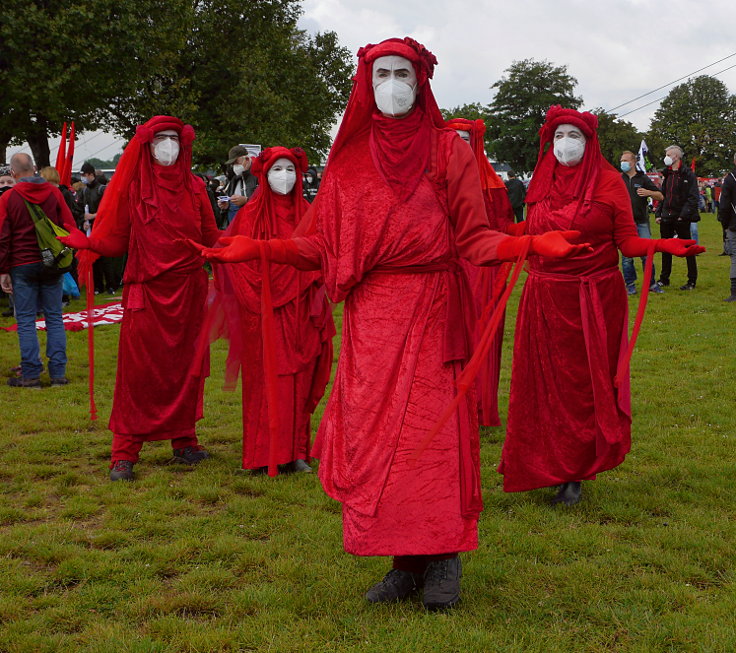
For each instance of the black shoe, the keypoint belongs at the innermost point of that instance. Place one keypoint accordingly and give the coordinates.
(298, 465)
(24, 382)
(442, 584)
(122, 470)
(569, 493)
(688, 286)
(663, 282)
(395, 586)
(8, 313)
(724, 253)
(60, 380)
(732, 298)
(189, 455)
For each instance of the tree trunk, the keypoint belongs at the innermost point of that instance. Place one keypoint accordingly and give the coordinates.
(37, 138)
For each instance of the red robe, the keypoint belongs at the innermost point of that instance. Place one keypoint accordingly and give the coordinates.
(303, 336)
(567, 421)
(157, 395)
(395, 264)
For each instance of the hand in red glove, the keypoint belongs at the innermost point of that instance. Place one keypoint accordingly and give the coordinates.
(236, 249)
(678, 247)
(555, 244)
(76, 240)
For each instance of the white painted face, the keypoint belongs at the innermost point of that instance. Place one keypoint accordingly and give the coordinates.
(465, 135)
(569, 144)
(282, 176)
(394, 85)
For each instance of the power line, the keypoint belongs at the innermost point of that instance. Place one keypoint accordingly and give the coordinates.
(621, 115)
(670, 83)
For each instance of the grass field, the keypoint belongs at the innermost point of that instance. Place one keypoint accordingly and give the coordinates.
(213, 560)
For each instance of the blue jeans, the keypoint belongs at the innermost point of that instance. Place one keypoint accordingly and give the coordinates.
(694, 231)
(627, 264)
(33, 292)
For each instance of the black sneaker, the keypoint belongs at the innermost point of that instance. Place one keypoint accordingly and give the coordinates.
(688, 286)
(442, 584)
(190, 455)
(569, 493)
(60, 380)
(24, 382)
(122, 470)
(731, 298)
(663, 282)
(395, 586)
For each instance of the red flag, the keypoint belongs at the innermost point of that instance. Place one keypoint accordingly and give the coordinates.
(61, 154)
(66, 179)
(692, 165)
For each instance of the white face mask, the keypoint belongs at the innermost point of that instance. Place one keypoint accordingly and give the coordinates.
(282, 176)
(569, 145)
(394, 85)
(166, 151)
(668, 160)
(238, 169)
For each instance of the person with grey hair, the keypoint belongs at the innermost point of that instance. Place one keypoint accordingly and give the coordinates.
(727, 218)
(676, 211)
(23, 273)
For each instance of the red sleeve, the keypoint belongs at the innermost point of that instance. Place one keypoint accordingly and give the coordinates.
(210, 232)
(308, 254)
(115, 243)
(474, 238)
(614, 191)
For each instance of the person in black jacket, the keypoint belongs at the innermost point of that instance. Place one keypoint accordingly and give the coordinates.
(727, 218)
(517, 193)
(676, 211)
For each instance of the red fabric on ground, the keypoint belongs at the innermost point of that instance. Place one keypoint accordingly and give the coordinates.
(567, 421)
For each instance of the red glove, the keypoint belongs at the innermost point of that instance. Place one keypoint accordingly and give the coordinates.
(76, 240)
(678, 247)
(635, 246)
(553, 244)
(236, 249)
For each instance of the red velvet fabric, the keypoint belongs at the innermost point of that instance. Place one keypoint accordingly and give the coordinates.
(567, 419)
(302, 325)
(394, 263)
(158, 395)
(487, 283)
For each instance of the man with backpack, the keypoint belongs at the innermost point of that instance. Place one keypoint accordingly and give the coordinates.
(35, 285)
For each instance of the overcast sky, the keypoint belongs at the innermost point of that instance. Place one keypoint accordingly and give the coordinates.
(616, 49)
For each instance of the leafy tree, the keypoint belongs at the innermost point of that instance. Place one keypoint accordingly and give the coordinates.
(616, 135)
(699, 116)
(517, 111)
(238, 70)
(67, 61)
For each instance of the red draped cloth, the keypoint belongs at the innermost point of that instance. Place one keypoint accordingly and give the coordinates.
(393, 259)
(302, 333)
(567, 420)
(165, 288)
(485, 281)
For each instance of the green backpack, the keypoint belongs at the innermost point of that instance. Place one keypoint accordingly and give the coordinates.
(56, 256)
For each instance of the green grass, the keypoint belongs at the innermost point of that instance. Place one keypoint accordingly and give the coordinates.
(214, 560)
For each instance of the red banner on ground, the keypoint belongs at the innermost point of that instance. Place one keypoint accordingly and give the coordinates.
(104, 314)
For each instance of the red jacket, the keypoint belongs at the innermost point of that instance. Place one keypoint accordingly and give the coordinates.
(18, 243)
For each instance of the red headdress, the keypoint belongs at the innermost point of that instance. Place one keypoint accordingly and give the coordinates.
(136, 170)
(400, 147)
(586, 173)
(477, 129)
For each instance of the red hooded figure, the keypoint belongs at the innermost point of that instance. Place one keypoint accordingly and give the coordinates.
(484, 280)
(399, 203)
(569, 411)
(152, 203)
(302, 327)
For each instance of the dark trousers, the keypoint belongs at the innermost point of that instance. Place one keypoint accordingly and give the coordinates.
(519, 213)
(682, 230)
